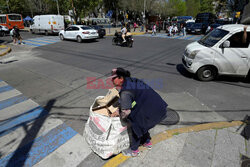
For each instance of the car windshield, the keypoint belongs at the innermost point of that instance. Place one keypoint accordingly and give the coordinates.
(213, 37)
(86, 28)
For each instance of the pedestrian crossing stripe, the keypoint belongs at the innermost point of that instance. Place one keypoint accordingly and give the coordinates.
(39, 148)
(20, 143)
(36, 42)
(39, 41)
(187, 37)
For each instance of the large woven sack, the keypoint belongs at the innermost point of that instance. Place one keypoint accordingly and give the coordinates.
(105, 135)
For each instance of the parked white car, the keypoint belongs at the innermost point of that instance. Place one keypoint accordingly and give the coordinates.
(220, 52)
(79, 33)
(4, 30)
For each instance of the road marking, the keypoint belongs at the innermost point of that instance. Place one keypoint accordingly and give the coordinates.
(2, 83)
(120, 158)
(32, 44)
(9, 94)
(11, 101)
(37, 41)
(39, 148)
(24, 118)
(187, 37)
(5, 89)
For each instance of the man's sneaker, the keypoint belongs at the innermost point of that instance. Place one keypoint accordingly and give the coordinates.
(148, 145)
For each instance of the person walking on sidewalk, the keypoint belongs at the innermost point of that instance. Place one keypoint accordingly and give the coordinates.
(135, 26)
(16, 36)
(154, 30)
(148, 111)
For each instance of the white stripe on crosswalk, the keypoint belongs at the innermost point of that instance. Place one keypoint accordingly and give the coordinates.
(69, 154)
(9, 94)
(3, 84)
(17, 109)
(9, 143)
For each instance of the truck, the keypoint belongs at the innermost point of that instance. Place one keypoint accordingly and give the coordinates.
(48, 24)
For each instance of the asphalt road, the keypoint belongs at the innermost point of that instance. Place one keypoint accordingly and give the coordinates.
(149, 59)
(57, 73)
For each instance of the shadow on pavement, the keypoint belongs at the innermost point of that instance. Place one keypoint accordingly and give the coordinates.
(20, 155)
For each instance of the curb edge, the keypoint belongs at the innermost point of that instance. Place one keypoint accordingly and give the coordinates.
(120, 158)
(5, 52)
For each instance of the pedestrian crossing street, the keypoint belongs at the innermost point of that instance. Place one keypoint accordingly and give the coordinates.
(41, 41)
(187, 37)
(31, 136)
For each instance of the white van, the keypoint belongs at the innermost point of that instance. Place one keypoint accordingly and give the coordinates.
(47, 24)
(221, 52)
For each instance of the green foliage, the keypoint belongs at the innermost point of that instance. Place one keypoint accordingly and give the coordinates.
(193, 7)
(207, 6)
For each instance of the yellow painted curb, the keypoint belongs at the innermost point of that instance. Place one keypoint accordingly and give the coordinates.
(120, 158)
(5, 52)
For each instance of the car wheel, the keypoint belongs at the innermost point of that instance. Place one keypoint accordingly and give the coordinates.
(79, 39)
(31, 31)
(61, 37)
(206, 73)
(1, 34)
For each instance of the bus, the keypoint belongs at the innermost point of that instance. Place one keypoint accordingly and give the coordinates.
(11, 20)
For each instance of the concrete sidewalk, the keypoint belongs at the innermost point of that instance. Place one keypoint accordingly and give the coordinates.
(207, 145)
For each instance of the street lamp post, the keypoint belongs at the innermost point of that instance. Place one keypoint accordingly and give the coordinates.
(144, 14)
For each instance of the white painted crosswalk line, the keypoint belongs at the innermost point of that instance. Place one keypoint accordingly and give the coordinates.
(17, 109)
(29, 134)
(9, 143)
(9, 94)
(41, 41)
(3, 84)
(68, 155)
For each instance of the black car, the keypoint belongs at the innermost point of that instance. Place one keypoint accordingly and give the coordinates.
(100, 29)
(198, 28)
(188, 26)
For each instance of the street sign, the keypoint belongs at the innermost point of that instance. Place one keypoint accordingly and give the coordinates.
(110, 13)
(71, 12)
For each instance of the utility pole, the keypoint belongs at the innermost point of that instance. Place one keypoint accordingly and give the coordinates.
(57, 7)
(144, 14)
(74, 11)
(7, 2)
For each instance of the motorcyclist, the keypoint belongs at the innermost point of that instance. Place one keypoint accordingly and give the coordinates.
(124, 32)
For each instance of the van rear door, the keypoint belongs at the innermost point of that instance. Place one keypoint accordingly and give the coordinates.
(58, 23)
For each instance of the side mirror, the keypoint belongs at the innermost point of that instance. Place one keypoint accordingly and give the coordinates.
(226, 44)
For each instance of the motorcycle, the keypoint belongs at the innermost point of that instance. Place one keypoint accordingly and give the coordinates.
(117, 40)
